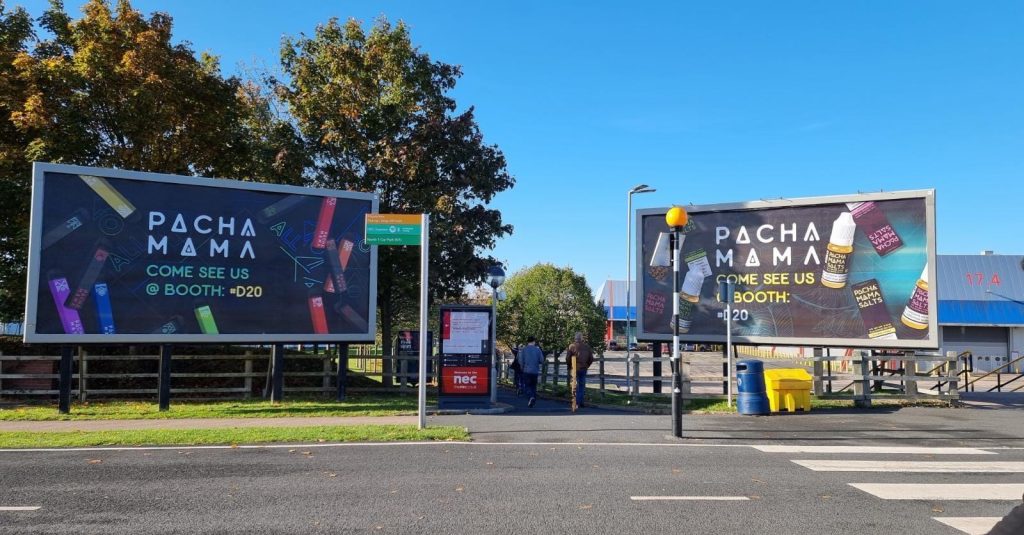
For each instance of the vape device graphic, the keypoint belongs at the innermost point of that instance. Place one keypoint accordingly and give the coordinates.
(78, 218)
(323, 222)
(61, 290)
(99, 257)
(118, 202)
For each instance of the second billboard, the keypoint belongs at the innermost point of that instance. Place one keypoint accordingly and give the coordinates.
(830, 271)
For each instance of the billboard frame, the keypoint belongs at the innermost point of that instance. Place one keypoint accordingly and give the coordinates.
(928, 195)
(39, 169)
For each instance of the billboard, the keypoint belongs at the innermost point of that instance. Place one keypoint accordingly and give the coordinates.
(850, 271)
(121, 256)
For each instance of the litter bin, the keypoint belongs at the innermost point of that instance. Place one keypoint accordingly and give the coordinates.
(751, 397)
(789, 389)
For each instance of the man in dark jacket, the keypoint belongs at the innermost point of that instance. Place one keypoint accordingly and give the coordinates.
(584, 358)
(530, 360)
(1011, 524)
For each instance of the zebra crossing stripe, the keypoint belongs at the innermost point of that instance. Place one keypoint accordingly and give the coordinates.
(20, 508)
(971, 525)
(913, 466)
(945, 491)
(904, 450)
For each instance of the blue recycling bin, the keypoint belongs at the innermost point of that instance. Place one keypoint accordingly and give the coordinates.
(751, 397)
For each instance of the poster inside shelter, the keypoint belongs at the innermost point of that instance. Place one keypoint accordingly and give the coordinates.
(844, 270)
(124, 256)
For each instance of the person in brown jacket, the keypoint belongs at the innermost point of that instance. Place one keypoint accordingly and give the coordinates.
(584, 358)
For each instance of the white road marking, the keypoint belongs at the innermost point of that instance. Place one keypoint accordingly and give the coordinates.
(907, 450)
(949, 491)
(971, 525)
(690, 498)
(913, 466)
(20, 508)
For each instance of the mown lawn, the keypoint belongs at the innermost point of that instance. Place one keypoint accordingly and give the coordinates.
(355, 405)
(230, 436)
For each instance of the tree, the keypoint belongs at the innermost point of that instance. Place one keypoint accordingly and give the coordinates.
(112, 90)
(375, 115)
(15, 37)
(551, 304)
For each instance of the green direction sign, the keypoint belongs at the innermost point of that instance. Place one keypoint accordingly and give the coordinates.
(393, 229)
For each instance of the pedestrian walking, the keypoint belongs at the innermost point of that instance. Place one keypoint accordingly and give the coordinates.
(530, 359)
(517, 371)
(579, 356)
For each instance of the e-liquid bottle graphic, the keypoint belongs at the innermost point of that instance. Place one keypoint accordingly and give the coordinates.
(689, 296)
(915, 315)
(876, 226)
(837, 257)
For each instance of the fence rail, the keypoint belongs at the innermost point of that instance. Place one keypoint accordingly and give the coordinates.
(860, 376)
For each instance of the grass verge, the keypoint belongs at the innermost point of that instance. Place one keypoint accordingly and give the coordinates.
(230, 436)
(355, 405)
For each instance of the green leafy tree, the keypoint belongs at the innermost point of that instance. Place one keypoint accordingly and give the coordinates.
(551, 304)
(375, 114)
(15, 37)
(110, 89)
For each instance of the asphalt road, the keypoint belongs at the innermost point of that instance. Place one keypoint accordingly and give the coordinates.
(547, 471)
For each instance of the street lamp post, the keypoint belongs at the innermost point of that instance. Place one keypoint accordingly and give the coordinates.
(495, 278)
(676, 219)
(639, 188)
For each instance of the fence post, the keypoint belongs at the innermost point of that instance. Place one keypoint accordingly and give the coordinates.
(684, 371)
(556, 369)
(82, 369)
(636, 376)
(544, 371)
(656, 364)
(64, 396)
(326, 383)
(600, 371)
(862, 387)
(342, 380)
(277, 382)
(247, 382)
(818, 369)
(954, 383)
(910, 372)
(165, 377)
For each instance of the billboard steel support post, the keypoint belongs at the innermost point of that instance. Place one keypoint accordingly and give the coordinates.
(342, 380)
(728, 349)
(64, 401)
(424, 281)
(165, 377)
(277, 379)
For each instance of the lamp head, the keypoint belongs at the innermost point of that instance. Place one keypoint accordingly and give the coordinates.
(677, 217)
(495, 276)
(638, 187)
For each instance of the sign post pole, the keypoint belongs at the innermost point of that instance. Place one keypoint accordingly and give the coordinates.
(424, 280)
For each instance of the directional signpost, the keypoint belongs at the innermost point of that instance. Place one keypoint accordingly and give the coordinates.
(394, 229)
(408, 229)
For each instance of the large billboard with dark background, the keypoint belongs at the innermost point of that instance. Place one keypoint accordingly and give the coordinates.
(852, 271)
(120, 256)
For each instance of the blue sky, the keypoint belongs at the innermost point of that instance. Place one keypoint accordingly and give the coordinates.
(707, 102)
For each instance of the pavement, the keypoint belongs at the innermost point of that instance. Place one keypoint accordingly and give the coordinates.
(987, 420)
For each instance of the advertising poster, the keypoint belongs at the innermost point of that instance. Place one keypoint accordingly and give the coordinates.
(118, 256)
(465, 352)
(848, 271)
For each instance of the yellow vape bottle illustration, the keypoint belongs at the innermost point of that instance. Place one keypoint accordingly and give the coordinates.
(915, 315)
(840, 246)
